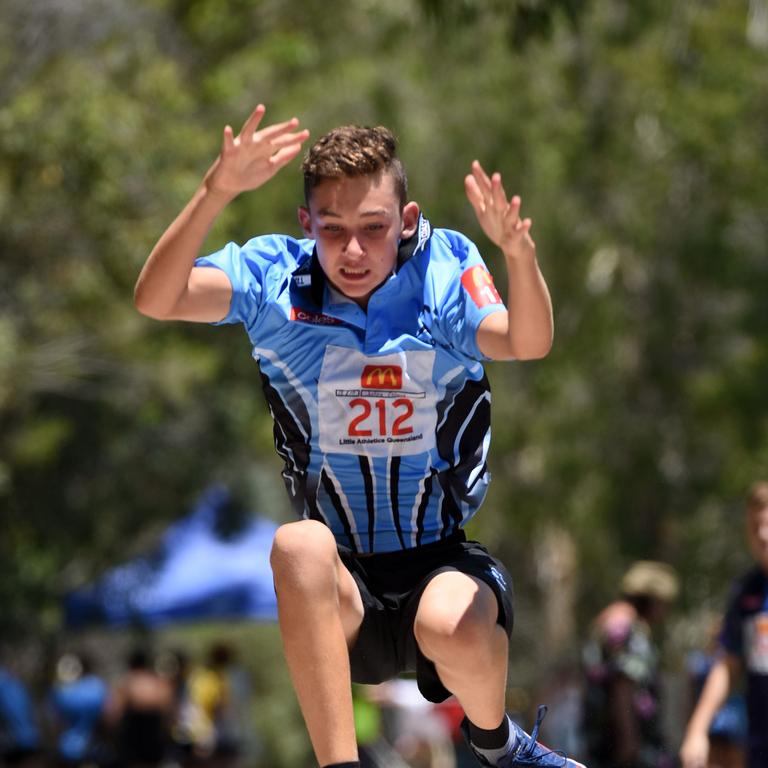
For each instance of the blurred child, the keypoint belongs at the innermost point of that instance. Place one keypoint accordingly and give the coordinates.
(19, 734)
(77, 702)
(141, 709)
(728, 730)
(743, 649)
(622, 702)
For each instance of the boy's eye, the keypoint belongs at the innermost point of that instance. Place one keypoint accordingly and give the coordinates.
(374, 227)
(331, 228)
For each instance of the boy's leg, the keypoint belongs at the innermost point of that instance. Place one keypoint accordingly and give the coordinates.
(320, 611)
(456, 628)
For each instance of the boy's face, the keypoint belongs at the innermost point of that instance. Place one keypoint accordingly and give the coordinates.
(357, 225)
(757, 533)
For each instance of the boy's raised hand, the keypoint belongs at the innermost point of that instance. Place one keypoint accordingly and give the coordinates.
(498, 216)
(254, 156)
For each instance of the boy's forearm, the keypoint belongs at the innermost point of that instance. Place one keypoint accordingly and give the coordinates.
(163, 279)
(713, 696)
(530, 309)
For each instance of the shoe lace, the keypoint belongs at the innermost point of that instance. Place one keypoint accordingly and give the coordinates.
(526, 753)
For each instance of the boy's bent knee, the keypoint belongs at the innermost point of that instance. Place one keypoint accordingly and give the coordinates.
(304, 549)
(450, 633)
(445, 628)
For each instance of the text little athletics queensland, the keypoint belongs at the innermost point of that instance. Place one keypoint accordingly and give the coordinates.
(391, 393)
(371, 440)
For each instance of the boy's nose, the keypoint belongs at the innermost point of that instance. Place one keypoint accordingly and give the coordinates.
(353, 247)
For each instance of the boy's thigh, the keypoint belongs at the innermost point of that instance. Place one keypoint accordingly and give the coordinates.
(474, 561)
(450, 601)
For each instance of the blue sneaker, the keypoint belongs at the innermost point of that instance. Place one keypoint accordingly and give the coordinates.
(527, 751)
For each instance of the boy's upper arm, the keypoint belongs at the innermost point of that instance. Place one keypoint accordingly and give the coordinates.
(493, 335)
(207, 298)
(228, 286)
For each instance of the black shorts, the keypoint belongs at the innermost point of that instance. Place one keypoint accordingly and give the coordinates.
(391, 585)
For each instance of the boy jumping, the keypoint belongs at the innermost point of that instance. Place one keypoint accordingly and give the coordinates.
(370, 334)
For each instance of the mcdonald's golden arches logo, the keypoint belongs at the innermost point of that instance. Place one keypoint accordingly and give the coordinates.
(382, 377)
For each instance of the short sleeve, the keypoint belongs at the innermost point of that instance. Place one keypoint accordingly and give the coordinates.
(465, 290)
(246, 279)
(248, 268)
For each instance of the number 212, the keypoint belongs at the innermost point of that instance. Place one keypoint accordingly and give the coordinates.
(399, 427)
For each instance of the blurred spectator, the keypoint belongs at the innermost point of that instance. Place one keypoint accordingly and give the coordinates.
(368, 728)
(77, 702)
(452, 714)
(20, 743)
(743, 648)
(367, 716)
(174, 666)
(140, 711)
(563, 726)
(728, 731)
(622, 724)
(419, 733)
(219, 698)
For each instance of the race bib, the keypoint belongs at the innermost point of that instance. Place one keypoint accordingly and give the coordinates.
(379, 406)
(756, 643)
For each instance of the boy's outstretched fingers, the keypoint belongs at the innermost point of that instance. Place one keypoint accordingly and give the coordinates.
(271, 132)
(482, 178)
(253, 121)
(498, 195)
(287, 153)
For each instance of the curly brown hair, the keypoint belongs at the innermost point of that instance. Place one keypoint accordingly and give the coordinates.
(354, 150)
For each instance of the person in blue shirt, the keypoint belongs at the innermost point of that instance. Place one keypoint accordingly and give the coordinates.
(20, 742)
(77, 702)
(743, 651)
(728, 729)
(370, 332)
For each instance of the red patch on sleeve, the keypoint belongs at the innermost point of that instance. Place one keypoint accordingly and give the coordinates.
(478, 283)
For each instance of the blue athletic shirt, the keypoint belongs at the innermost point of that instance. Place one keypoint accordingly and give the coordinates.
(745, 634)
(18, 727)
(382, 418)
(79, 706)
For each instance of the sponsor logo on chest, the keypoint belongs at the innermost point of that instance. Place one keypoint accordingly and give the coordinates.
(313, 318)
(382, 377)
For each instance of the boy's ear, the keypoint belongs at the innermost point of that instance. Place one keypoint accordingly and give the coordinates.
(410, 219)
(305, 220)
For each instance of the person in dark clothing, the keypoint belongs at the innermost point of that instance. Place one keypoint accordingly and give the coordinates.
(141, 711)
(743, 651)
(621, 660)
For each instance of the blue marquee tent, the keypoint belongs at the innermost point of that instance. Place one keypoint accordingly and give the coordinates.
(197, 573)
